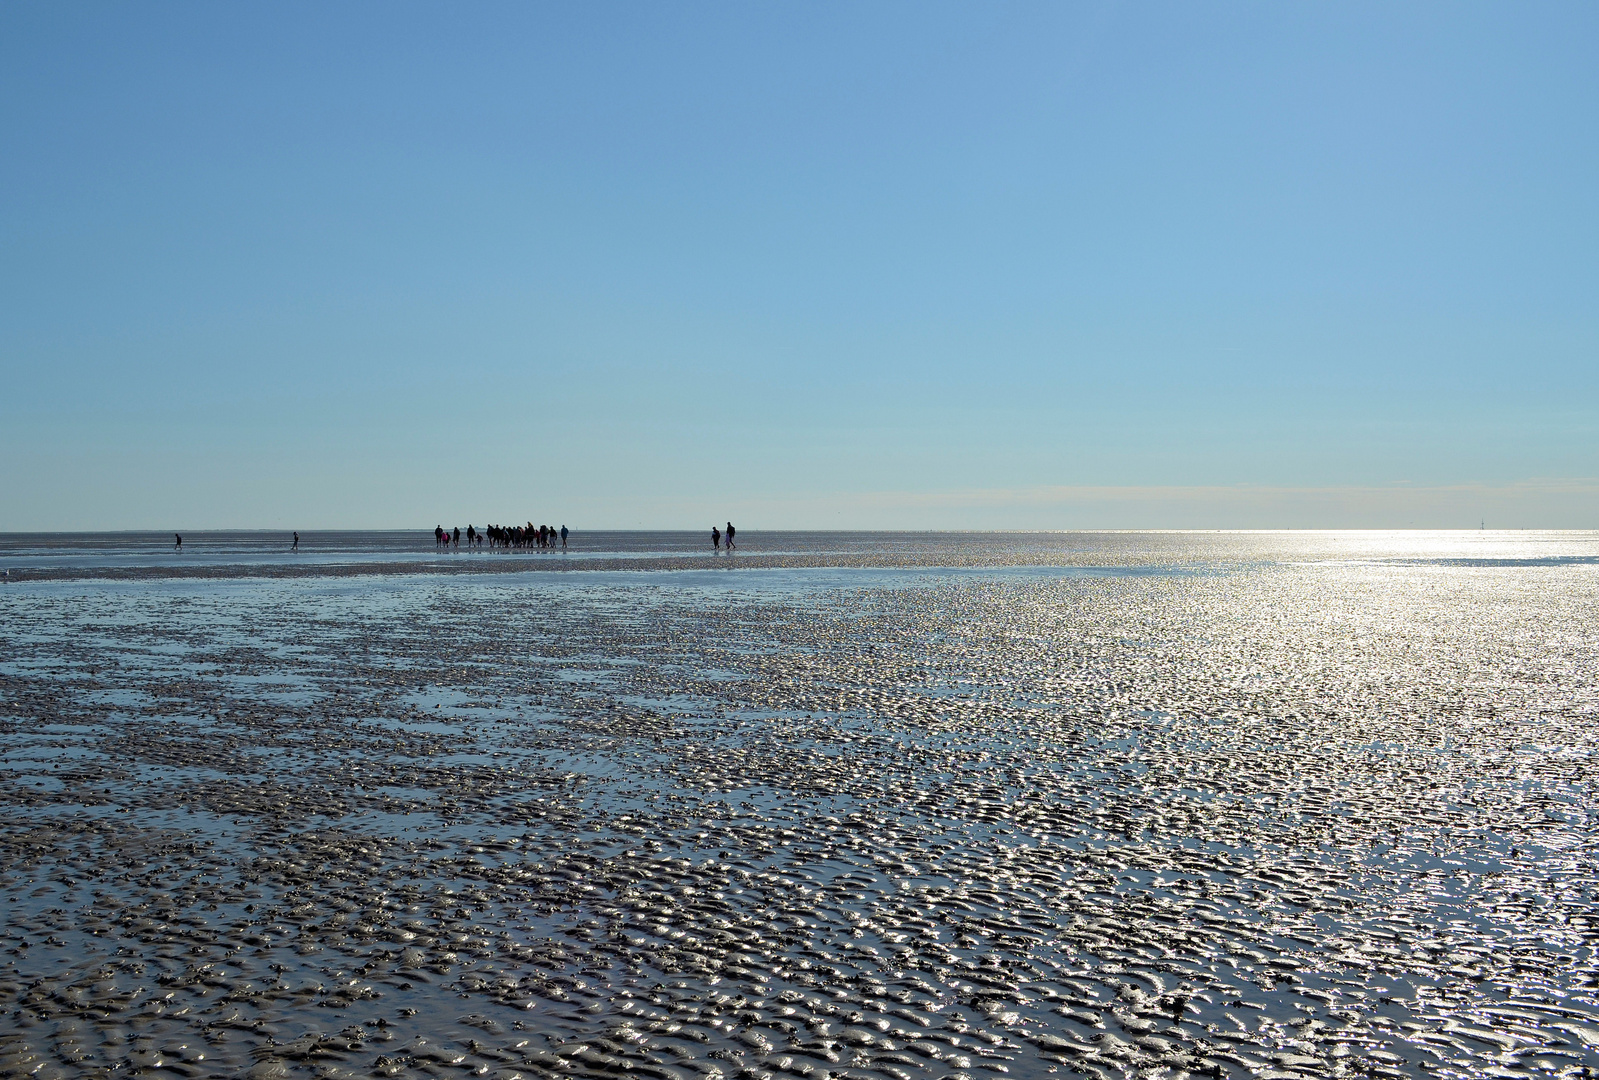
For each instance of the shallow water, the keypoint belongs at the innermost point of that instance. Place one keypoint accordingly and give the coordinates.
(141, 556)
(941, 806)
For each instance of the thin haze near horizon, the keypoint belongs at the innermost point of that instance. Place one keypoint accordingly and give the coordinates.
(894, 265)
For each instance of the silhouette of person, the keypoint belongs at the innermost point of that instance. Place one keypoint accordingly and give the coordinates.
(716, 538)
(730, 543)
(296, 545)
(179, 536)
(563, 537)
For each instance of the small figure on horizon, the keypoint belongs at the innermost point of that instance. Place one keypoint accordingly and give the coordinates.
(716, 538)
(471, 535)
(458, 538)
(730, 544)
(563, 537)
(296, 545)
(179, 544)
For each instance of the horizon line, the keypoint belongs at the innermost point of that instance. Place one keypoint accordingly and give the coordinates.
(743, 530)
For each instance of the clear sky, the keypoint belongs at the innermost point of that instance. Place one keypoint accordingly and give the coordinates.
(799, 264)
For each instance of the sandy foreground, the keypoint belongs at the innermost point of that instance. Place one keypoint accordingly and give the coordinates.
(1294, 820)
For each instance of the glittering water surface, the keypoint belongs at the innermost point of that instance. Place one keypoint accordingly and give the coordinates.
(951, 806)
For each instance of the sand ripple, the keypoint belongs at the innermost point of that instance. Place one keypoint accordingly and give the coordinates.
(1287, 821)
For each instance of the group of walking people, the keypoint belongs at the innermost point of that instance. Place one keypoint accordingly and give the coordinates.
(539, 537)
(719, 538)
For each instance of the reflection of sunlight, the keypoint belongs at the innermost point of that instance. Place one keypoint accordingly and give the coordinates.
(330, 556)
(1441, 545)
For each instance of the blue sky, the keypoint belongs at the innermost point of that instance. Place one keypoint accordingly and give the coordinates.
(876, 265)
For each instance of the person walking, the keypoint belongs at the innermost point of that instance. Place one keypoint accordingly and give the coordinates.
(730, 544)
(716, 538)
(296, 545)
(179, 545)
(563, 537)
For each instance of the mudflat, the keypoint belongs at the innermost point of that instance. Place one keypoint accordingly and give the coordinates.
(961, 807)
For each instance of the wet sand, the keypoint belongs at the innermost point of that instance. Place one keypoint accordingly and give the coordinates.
(1216, 817)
